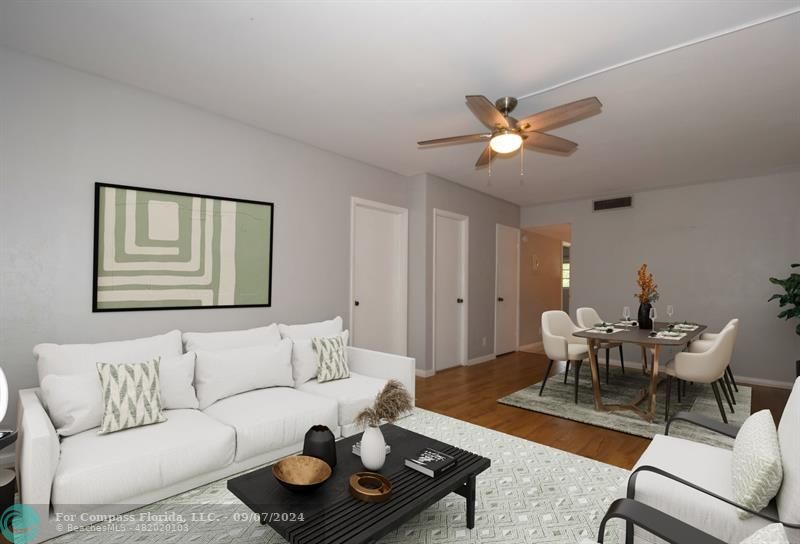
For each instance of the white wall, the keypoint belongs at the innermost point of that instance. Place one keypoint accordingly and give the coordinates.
(62, 130)
(712, 248)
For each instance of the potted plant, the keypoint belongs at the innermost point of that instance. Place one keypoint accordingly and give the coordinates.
(789, 301)
(647, 295)
(392, 402)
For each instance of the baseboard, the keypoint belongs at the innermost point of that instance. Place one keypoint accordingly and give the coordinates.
(535, 346)
(425, 372)
(743, 380)
(481, 359)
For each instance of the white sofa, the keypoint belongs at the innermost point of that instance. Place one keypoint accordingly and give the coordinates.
(114, 473)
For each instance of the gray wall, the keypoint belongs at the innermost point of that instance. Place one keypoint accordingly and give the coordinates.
(484, 213)
(712, 248)
(62, 130)
(539, 288)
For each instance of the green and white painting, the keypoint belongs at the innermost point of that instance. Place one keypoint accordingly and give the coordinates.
(158, 250)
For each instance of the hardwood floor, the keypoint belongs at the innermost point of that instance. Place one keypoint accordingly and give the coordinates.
(470, 393)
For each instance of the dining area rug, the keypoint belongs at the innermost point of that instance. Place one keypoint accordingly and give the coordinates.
(558, 399)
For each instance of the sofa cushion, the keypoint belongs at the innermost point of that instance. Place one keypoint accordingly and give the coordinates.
(269, 419)
(220, 374)
(63, 359)
(214, 341)
(788, 497)
(106, 469)
(756, 465)
(352, 394)
(176, 375)
(707, 466)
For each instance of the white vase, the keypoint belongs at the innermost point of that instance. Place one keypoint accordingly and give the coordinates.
(373, 448)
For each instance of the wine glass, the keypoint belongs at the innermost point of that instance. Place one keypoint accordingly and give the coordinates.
(653, 315)
(626, 313)
(670, 311)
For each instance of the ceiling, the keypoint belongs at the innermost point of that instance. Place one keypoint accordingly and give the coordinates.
(367, 80)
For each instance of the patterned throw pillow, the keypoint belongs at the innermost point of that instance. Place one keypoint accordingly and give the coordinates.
(131, 395)
(756, 464)
(771, 534)
(332, 358)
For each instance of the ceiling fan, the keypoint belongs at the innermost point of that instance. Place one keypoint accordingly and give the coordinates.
(509, 134)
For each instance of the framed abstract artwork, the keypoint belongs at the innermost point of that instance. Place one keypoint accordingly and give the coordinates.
(165, 250)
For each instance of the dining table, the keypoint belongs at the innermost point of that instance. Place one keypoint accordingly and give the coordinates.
(672, 335)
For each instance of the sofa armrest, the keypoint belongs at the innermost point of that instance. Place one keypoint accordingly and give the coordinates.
(383, 365)
(38, 451)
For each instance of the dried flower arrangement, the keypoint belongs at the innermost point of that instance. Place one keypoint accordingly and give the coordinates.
(389, 405)
(647, 287)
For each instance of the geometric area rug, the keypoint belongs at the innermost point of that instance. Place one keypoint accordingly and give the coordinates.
(531, 494)
(558, 399)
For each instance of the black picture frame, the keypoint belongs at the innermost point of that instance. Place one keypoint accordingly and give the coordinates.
(98, 186)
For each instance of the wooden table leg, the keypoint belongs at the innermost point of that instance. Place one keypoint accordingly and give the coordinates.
(598, 401)
(644, 360)
(651, 412)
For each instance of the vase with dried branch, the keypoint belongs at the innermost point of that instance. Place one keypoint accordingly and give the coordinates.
(391, 403)
(647, 295)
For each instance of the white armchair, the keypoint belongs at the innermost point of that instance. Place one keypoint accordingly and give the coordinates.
(561, 345)
(705, 341)
(704, 367)
(587, 318)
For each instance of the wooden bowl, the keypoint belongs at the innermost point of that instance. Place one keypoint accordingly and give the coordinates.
(301, 472)
(370, 487)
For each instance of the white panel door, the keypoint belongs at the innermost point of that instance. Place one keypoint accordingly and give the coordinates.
(450, 243)
(506, 313)
(379, 276)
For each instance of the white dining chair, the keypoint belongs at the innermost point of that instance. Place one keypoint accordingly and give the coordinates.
(705, 341)
(703, 367)
(588, 318)
(561, 345)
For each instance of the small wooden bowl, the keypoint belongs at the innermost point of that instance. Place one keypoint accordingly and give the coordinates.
(301, 472)
(370, 487)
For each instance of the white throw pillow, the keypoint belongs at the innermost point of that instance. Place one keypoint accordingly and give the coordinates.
(773, 533)
(82, 358)
(304, 359)
(215, 341)
(131, 395)
(756, 464)
(221, 374)
(331, 357)
(305, 362)
(177, 382)
(75, 401)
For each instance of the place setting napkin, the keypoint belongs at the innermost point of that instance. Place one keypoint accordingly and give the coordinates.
(605, 328)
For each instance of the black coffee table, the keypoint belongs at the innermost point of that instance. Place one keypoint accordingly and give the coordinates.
(330, 515)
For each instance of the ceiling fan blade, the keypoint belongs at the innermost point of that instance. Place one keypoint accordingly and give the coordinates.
(537, 140)
(561, 115)
(456, 139)
(485, 111)
(485, 157)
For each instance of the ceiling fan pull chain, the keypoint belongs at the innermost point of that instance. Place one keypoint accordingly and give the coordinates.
(490, 167)
(521, 165)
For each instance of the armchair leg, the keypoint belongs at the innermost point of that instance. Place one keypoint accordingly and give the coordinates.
(728, 386)
(669, 393)
(621, 359)
(566, 373)
(607, 372)
(577, 375)
(719, 402)
(725, 393)
(546, 374)
(733, 380)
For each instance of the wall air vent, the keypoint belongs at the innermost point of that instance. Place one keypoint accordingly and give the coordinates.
(613, 203)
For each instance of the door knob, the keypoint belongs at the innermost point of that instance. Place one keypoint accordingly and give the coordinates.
(499, 299)
(357, 303)
(460, 300)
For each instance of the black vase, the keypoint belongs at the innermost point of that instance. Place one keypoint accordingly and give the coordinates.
(644, 316)
(320, 443)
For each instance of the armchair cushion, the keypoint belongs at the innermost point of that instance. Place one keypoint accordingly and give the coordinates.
(788, 497)
(756, 464)
(708, 467)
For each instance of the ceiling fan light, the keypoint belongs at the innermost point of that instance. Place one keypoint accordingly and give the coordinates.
(505, 142)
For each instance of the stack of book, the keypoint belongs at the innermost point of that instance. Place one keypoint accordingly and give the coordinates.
(431, 462)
